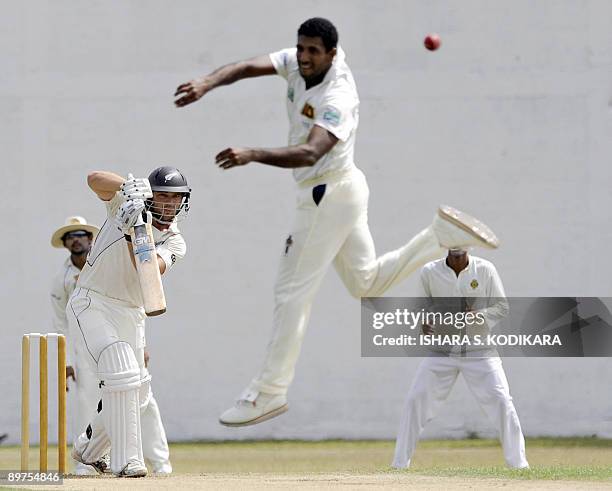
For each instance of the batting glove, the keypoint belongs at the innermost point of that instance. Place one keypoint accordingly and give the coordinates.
(136, 188)
(128, 213)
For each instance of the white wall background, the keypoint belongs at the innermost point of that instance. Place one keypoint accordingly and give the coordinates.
(511, 120)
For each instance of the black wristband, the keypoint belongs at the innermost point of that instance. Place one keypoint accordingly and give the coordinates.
(128, 238)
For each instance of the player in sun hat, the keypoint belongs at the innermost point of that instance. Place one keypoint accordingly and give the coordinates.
(76, 235)
(73, 224)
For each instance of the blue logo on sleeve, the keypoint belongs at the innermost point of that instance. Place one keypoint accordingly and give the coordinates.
(331, 116)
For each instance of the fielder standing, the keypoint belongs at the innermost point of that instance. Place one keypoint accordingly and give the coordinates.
(468, 277)
(107, 309)
(76, 235)
(331, 224)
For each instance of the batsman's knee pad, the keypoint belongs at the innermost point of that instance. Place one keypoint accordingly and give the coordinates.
(118, 369)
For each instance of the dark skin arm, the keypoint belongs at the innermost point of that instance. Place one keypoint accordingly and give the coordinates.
(320, 141)
(69, 374)
(228, 74)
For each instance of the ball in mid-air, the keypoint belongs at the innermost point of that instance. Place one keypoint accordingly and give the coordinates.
(432, 42)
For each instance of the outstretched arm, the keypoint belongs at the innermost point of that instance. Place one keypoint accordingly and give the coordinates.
(226, 75)
(320, 141)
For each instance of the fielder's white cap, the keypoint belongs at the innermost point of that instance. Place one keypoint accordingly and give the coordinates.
(72, 224)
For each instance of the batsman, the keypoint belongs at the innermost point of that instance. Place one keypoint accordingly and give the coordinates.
(107, 309)
(331, 217)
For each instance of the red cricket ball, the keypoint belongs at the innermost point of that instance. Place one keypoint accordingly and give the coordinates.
(432, 42)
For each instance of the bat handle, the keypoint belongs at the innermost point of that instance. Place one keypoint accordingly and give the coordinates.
(139, 221)
(142, 221)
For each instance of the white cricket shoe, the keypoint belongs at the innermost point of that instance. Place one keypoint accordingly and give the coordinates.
(456, 229)
(81, 469)
(134, 468)
(253, 408)
(162, 468)
(105, 460)
(101, 466)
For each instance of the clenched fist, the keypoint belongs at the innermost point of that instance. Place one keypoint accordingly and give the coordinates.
(136, 188)
(128, 213)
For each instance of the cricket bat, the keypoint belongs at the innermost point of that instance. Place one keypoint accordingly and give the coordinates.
(147, 268)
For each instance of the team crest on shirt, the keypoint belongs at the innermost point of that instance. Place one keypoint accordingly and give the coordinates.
(290, 94)
(474, 284)
(308, 111)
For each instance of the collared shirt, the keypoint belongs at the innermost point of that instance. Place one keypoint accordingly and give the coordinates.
(478, 279)
(479, 285)
(332, 104)
(109, 269)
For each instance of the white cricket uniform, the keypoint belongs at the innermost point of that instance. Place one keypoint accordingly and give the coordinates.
(484, 375)
(61, 289)
(84, 392)
(107, 307)
(331, 220)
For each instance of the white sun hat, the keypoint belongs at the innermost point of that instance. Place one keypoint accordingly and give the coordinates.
(72, 224)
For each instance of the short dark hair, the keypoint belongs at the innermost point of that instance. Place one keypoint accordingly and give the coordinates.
(318, 27)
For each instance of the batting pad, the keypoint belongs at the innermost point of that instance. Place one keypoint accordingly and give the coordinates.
(120, 383)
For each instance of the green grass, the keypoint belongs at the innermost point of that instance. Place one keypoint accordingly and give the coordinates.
(551, 473)
(465, 443)
(584, 459)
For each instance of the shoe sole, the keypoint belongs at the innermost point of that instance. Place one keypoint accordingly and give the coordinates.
(136, 474)
(469, 224)
(139, 473)
(260, 419)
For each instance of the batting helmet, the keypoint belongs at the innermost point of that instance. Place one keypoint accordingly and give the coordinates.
(168, 179)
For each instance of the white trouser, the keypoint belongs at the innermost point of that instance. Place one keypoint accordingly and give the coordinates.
(432, 383)
(154, 442)
(334, 231)
(84, 393)
(101, 322)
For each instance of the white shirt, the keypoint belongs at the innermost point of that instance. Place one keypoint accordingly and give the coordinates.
(109, 269)
(479, 283)
(62, 287)
(333, 105)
